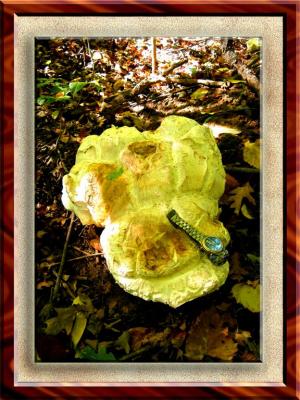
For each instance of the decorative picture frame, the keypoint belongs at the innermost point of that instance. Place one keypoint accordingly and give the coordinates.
(287, 386)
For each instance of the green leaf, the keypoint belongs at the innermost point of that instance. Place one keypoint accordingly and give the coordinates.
(41, 82)
(254, 260)
(78, 328)
(50, 99)
(97, 85)
(115, 174)
(87, 353)
(41, 100)
(75, 87)
(247, 295)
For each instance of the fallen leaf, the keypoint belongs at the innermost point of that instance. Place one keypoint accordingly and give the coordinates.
(247, 356)
(63, 321)
(247, 295)
(78, 328)
(242, 336)
(44, 284)
(254, 284)
(75, 87)
(141, 336)
(84, 303)
(93, 343)
(123, 342)
(89, 354)
(178, 338)
(238, 195)
(41, 234)
(220, 346)
(199, 94)
(253, 44)
(95, 244)
(208, 336)
(236, 271)
(231, 182)
(217, 129)
(251, 153)
(245, 212)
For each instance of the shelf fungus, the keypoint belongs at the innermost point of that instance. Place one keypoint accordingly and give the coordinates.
(156, 195)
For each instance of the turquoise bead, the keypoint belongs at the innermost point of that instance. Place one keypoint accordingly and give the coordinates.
(213, 244)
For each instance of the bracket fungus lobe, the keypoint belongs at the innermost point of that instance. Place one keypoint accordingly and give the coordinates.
(128, 181)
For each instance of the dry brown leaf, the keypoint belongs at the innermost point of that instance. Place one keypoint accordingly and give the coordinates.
(236, 271)
(141, 336)
(238, 195)
(95, 244)
(231, 182)
(44, 284)
(253, 283)
(209, 336)
(221, 346)
(247, 356)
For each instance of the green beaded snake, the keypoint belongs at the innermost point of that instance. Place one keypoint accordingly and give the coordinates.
(211, 245)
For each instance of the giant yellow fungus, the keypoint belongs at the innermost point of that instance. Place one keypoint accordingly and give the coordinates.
(128, 182)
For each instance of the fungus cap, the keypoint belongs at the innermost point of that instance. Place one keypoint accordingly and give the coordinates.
(127, 181)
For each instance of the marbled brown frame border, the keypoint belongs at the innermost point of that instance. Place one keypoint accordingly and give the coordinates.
(266, 372)
(289, 12)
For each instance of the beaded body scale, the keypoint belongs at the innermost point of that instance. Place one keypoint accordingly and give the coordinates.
(211, 245)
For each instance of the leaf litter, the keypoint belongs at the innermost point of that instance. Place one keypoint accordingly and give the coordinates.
(84, 86)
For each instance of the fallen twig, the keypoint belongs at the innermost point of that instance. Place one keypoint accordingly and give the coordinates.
(63, 259)
(78, 258)
(194, 81)
(136, 353)
(174, 66)
(242, 169)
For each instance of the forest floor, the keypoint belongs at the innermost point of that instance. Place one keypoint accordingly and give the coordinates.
(83, 86)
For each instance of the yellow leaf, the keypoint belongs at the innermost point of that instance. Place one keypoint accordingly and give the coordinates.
(78, 328)
(253, 44)
(84, 302)
(251, 153)
(242, 336)
(59, 94)
(247, 295)
(245, 212)
(239, 194)
(63, 321)
(199, 94)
